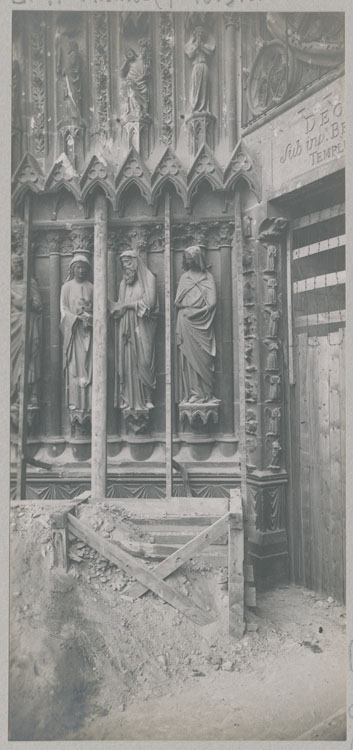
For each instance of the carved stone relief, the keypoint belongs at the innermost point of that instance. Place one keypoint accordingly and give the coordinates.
(38, 87)
(300, 41)
(167, 72)
(101, 73)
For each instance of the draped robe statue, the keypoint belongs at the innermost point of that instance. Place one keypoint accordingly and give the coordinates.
(76, 305)
(196, 344)
(198, 48)
(34, 336)
(135, 313)
(135, 78)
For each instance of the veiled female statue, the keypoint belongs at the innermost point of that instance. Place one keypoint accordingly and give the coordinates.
(136, 313)
(196, 344)
(76, 305)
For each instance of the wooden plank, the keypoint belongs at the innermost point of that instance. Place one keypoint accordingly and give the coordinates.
(142, 574)
(182, 555)
(290, 310)
(304, 465)
(23, 394)
(337, 495)
(168, 351)
(100, 333)
(236, 620)
(317, 216)
(322, 318)
(322, 246)
(319, 282)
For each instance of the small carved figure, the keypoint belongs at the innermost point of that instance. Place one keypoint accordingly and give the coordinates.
(271, 291)
(275, 455)
(248, 294)
(196, 344)
(274, 387)
(76, 305)
(251, 423)
(272, 358)
(198, 48)
(273, 322)
(249, 326)
(250, 391)
(271, 257)
(34, 336)
(136, 314)
(274, 421)
(248, 351)
(68, 68)
(135, 76)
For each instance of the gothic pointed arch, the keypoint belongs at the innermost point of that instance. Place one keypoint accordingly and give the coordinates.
(133, 171)
(241, 166)
(97, 175)
(169, 170)
(63, 176)
(28, 177)
(204, 168)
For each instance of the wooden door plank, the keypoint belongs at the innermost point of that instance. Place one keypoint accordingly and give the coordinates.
(182, 555)
(134, 569)
(336, 498)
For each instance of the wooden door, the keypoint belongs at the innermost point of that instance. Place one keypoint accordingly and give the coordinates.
(317, 402)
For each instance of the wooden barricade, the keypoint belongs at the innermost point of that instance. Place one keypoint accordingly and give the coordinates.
(230, 523)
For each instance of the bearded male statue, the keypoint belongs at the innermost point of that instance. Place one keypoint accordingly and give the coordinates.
(136, 314)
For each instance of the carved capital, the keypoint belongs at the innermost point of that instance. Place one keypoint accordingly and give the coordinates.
(203, 413)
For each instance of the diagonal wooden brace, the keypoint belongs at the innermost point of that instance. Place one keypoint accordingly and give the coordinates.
(134, 569)
(178, 558)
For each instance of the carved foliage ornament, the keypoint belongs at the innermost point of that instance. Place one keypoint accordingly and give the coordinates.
(101, 71)
(166, 62)
(38, 86)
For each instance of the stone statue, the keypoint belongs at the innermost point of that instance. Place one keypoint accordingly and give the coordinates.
(34, 337)
(68, 68)
(135, 76)
(136, 314)
(272, 357)
(196, 344)
(274, 387)
(273, 323)
(76, 305)
(271, 257)
(198, 48)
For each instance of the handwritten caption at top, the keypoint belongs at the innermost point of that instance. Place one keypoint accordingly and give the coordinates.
(160, 4)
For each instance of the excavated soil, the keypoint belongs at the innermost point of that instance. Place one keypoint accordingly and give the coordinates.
(85, 663)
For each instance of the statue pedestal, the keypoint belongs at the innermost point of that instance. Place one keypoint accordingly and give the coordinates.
(136, 133)
(72, 140)
(80, 421)
(137, 420)
(199, 412)
(201, 130)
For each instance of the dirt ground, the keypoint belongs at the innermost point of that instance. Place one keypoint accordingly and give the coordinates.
(85, 663)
